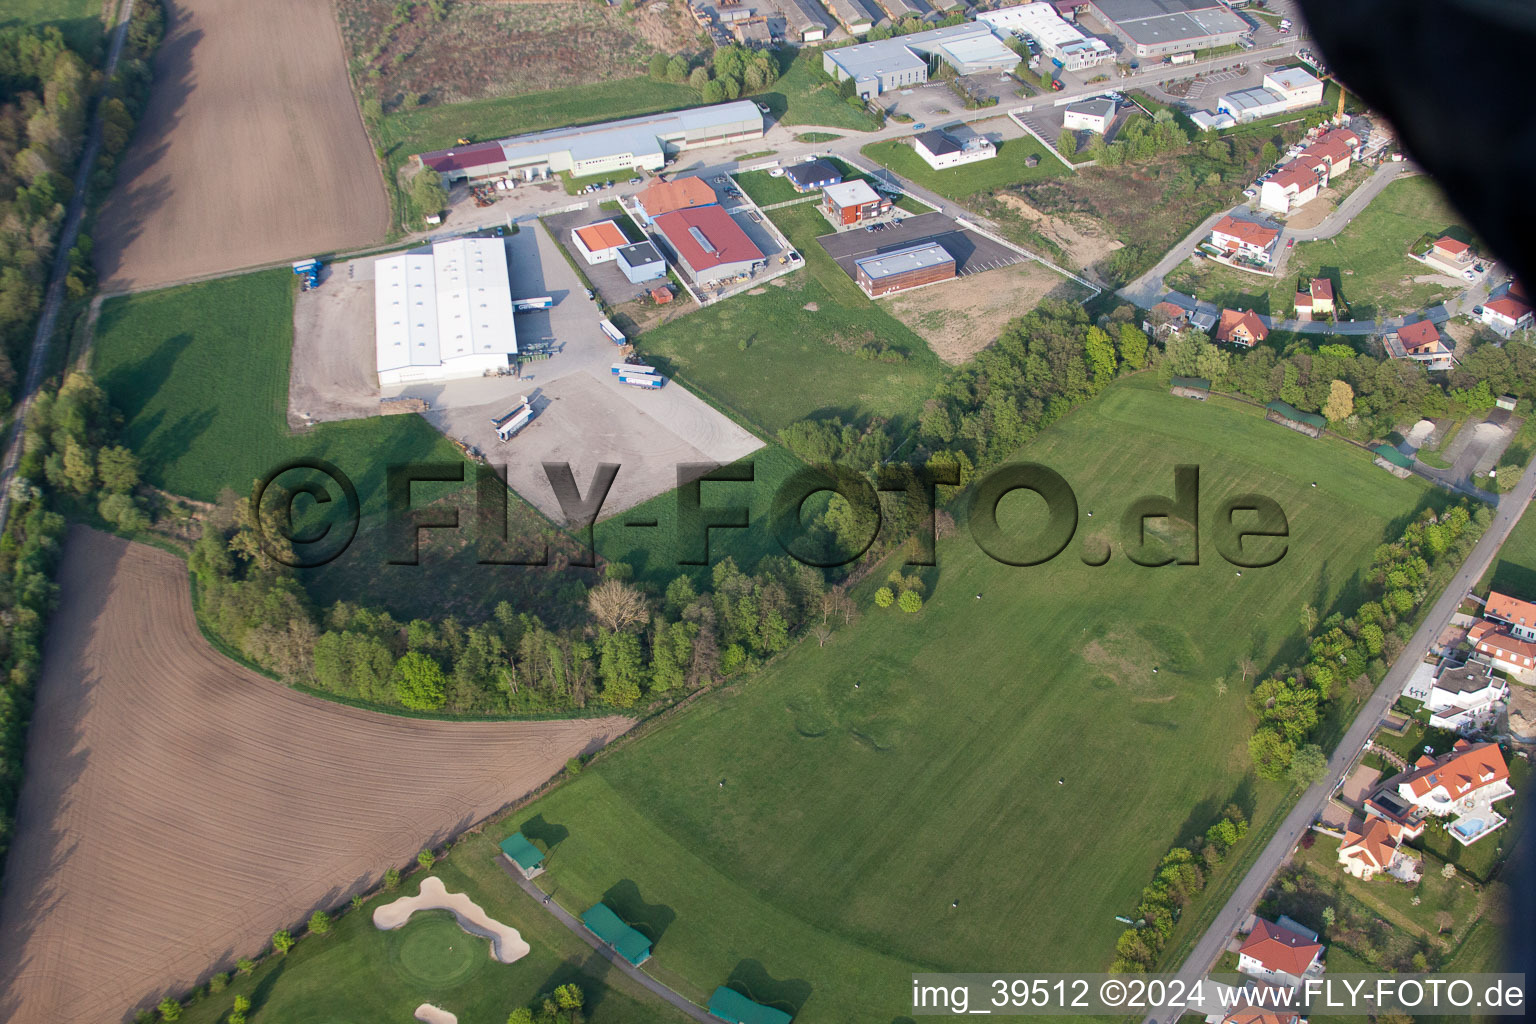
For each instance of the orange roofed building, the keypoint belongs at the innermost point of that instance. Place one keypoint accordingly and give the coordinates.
(598, 243)
(1374, 846)
(663, 197)
(1284, 952)
(1244, 238)
(1241, 327)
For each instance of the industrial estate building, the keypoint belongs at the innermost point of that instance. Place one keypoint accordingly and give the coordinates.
(857, 16)
(853, 202)
(661, 196)
(608, 148)
(444, 312)
(1094, 115)
(896, 63)
(1281, 92)
(883, 273)
(940, 149)
(1060, 41)
(641, 262)
(1154, 28)
(708, 244)
(600, 242)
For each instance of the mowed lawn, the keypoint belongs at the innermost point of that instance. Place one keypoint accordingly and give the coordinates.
(200, 374)
(361, 975)
(1367, 261)
(817, 823)
(793, 351)
(78, 20)
(802, 96)
(1009, 167)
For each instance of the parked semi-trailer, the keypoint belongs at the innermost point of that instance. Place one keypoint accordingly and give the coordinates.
(614, 334)
(537, 302)
(513, 421)
(618, 369)
(641, 380)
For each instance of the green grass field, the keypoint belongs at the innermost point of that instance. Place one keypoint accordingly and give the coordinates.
(765, 189)
(200, 374)
(1367, 261)
(78, 20)
(802, 96)
(360, 975)
(850, 819)
(1007, 168)
(768, 361)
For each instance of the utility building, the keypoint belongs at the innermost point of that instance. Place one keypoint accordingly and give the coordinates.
(641, 262)
(896, 271)
(1060, 41)
(852, 203)
(1154, 28)
(443, 313)
(600, 242)
(896, 63)
(708, 244)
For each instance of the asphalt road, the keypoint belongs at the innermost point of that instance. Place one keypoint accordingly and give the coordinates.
(692, 1009)
(1309, 807)
(37, 361)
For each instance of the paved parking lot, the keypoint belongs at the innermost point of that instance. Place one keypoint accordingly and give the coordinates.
(973, 253)
(606, 278)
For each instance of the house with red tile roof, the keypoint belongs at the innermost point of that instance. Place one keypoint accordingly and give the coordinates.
(1298, 182)
(1451, 255)
(1422, 343)
(1437, 785)
(1507, 314)
(661, 197)
(708, 244)
(1507, 653)
(1518, 615)
(1165, 319)
(1374, 846)
(1315, 299)
(1241, 327)
(1284, 952)
(1244, 238)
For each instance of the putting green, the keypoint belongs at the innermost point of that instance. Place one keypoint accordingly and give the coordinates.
(435, 951)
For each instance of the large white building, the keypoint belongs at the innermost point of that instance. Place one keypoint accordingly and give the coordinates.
(940, 149)
(443, 313)
(610, 148)
(895, 63)
(1060, 41)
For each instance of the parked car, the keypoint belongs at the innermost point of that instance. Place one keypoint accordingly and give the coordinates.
(869, 227)
(1250, 192)
(919, 126)
(634, 181)
(1290, 243)
(777, 172)
(1478, 268)
(1469, 275)
(589, 294)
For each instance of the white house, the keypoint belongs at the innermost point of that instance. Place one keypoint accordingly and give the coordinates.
(1463, 784)
(1285, 952)
(940, 149)
(1244, 238)
(1506, 315)
(1375, 846)
(443, 313)
(1519, 617)
(1464, 696)
(1298, 182)
(1506, 652)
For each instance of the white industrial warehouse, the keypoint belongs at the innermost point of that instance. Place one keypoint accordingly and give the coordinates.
(1059, 40)
(443, 313)
(888, 64)
(612, 147)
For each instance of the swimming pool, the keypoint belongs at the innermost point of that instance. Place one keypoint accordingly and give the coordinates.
(1469, 827)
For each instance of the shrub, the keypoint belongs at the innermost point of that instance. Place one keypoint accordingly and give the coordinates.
(425, 859)
(169, 1009)
(392, 879)
(319, 922)
(910, 602)
(282, 941)
(245, 965)
(884, 597)
(218, 983)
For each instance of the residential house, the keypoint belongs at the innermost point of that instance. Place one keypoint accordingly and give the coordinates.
(1165, 319)
(1464, 783)
(1316, 300)
(812, 175)
(1373, 846)
(1518, 616)
(1244, 238)
(1506, 315)
(1298, 182)
(1422, 343)
(1505, 651)
(853, 202)
(662, 197)
(1464, 697)
(1451, 255)
(1241, 327)
(1284, 952)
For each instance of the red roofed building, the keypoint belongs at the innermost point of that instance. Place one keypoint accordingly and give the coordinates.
(1315, 300)
(1244, 238)
(1164, 319)
(708, 244)
(600, 242)
(1298, 182)
(1518, 615)
(1254, 1016)
(481, 160)
(1507, 652)
(1372, 847)
(1282, 952)
(1420, 342)
(661, 197)
(1239, 327)
(1506, 315)
(1438, 784)
(1451, 255)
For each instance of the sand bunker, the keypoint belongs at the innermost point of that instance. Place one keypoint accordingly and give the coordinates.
(429, 1014)
(507, 944)
(1420, 433)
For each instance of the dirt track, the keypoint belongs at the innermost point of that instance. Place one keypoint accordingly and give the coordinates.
(178, 809)
(251, 149)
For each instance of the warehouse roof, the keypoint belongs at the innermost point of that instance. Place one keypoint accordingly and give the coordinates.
(626, 942)
(432, 305)
(706, 236)
(901, 261)
(850, 193)
(734, 1008)
(1101, 107)
(978, 49)
(1291, 79)
(464, 157)
(812, 172)
(639, 254)
(938, 143)
(1161, 22)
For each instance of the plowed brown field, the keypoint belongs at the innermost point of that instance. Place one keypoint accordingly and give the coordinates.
(251, 149)
(178, 809)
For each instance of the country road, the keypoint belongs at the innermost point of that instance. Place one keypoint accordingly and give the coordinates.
(53, 298)
(1251, 888)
